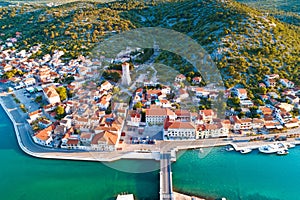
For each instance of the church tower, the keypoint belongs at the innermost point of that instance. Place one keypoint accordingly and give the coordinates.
(126, 80)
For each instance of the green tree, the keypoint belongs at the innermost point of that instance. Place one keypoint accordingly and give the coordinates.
(62, 91)
(60, 110)
(137, 105)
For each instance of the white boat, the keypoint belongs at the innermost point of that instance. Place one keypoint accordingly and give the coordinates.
(246, 150)
(272, 148)
(229, 148)
(290, 145)
(282, 152)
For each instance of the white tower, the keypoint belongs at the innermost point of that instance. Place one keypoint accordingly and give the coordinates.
(126, 80)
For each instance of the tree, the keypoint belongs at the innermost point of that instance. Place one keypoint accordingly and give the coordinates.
(60, 110)
(38, 99)
(137, 105)
(62, 92)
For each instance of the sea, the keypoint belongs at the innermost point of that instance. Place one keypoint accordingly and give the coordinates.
(214, 173)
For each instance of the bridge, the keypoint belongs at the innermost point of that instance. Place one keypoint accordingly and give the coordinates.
(166, 188)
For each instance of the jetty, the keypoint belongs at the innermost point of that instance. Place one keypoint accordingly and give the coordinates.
(166, 187)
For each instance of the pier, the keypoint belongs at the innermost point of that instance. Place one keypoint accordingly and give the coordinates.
(166, 187)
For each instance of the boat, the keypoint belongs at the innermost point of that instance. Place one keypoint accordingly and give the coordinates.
(272, 148)
(246, 150)
(229, 148)
(290, 145)
(282, 152)
(201, 150)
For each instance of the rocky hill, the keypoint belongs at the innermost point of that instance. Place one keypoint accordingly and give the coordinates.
(245, 43)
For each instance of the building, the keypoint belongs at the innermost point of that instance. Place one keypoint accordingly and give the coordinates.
(180, 78)
(105, 141)
(126, 80)
(241, 93)
(29, 82)
(177, 130)
(43, 137)
(157, 115)
(197, 80)
(287, 83)
(207, 115)
(271, 80)
(212, 131)
(51, 95)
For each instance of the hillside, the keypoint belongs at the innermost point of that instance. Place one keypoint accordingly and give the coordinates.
(286, 11)
(245, 43)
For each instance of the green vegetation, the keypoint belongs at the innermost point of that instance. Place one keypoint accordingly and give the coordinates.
(60, 112)
(284, 10)
(23, 108)
(62, 91)
(38, 99)
(245, 43)
(12, 73)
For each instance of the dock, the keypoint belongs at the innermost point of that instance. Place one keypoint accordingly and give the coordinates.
(166, 186)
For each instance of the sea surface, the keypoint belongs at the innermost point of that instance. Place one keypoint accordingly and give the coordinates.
(253, 176)
(214, 173)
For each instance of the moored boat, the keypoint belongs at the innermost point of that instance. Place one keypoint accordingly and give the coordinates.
(290, 145)
(271, 148)
(246, 150)
(229, 148)
(282, 152)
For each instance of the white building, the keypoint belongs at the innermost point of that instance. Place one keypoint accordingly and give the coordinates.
(211, 131)
(177, 130)
(51, 95)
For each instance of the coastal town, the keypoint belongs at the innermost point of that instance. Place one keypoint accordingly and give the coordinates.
(69, 105)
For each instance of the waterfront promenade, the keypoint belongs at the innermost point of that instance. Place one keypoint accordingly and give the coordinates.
(129, 151)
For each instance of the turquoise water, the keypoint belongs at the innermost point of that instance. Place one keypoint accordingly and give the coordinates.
(253, 176)
(24, 177)
(219, 174)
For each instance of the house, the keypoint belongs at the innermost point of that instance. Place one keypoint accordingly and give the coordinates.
(201, 92)
(183, 115)
(265, 110)
(29, 81)
(105, 141)
(60, 130)
(293, 99)
(72, 143)
(271, 80)
(174, 130)
(157, 115)
(86, 138)
(180, 78)
(165, 103)
(183, 94)
(43, 137)
(257, 123)
(292, 123)
(240, 93)
(135, 119)
(241, 124)
(166, 90)
(285, 107)
(44, 123)
(287, 83)
(246, 103)
(106, 86)
(197, 80)
(212, 131)
(103, 103)
(207, 115)
(51, 95)
(35, 115)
